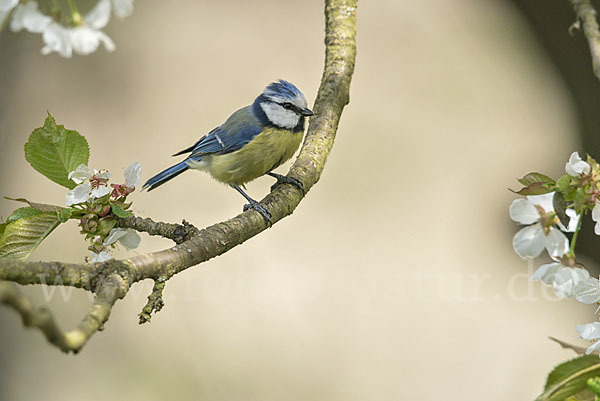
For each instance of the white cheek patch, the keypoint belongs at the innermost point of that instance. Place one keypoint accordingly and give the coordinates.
(279, 116)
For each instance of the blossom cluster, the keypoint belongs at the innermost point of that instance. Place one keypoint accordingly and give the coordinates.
(99, 205)
(551, 209)
(82, 34)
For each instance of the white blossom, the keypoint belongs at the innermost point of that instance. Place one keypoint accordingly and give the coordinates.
(85, 190)
(546, 273)
(27, 16)
(82, 39)
(85, 40)
(530, 241)
(132, 175)
(57, 39)
(575, 166)
(590, 332)
(103, 256)
(567, 281)
(128, 237)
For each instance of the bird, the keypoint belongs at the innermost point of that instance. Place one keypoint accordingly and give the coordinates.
(252, 142)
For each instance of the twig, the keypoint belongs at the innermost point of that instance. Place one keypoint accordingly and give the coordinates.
(177, 232)
(155, 302)
(40, 318)
(587, 15)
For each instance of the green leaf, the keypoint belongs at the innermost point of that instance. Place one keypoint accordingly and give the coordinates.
(563, 183)
(55, 151)
(22, 212)
(22, 236)
(560, 207)
(119, 211)
(536, 177)
(42, 207)
(64, 215)
(583, 395)
(569, 378)
(537, 188)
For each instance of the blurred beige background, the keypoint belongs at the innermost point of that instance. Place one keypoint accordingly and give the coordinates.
(395, 278)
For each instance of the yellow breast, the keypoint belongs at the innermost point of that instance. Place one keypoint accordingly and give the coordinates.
(269, 149)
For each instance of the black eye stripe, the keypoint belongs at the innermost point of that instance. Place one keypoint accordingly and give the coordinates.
(290, 106)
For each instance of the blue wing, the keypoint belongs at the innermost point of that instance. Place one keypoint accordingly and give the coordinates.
(237, 131)
(220, 141)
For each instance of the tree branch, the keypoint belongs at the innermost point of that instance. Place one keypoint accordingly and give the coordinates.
(111, 280)
(177, 232)
(586, 15)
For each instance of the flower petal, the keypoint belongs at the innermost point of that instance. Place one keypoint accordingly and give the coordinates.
(105, 174)
(57, 39)
(128, 237)
(7, 5)
(544, 200)
(98, 17)
(594, 347)
(28, 16)
(590, 331)
(131, 239)
(109, 45)
(103, 256)
(573, 221)
(596, 212)
(132, 175)
(546, 273)
(84, 39)
(524, 212)
(123, 8)
(563, 283)
(80, 174)
(114, 235)
(566, 280)
(556, 243)
(79, 194)
(100, 191)
(575, 166)
(587, 291)
(529, 241)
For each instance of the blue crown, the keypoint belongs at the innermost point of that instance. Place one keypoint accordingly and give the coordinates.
(282, 88)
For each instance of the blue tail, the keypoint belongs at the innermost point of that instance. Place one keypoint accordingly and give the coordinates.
(165, 176)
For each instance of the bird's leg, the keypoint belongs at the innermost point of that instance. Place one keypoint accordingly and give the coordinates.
(254, 205)
(284, 179)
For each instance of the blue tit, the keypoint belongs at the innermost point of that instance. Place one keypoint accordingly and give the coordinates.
(252, 142)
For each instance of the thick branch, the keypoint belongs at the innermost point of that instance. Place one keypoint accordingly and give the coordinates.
(111, 280)
(586, 14)
(49, 273)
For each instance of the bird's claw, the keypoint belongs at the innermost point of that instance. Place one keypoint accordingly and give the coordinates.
(284, 179)
(260, 209)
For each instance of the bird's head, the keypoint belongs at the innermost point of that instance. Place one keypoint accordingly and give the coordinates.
(284, 105)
